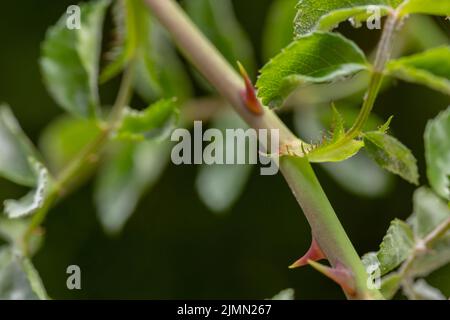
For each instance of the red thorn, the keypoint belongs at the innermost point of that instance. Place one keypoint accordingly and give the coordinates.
(314, 253)
(339, 274)
(249, 95)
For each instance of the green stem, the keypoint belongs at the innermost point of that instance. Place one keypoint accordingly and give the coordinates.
(81, 163)
(326, 227)
(382, 57)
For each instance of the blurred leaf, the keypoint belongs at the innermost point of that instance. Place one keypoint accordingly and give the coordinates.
(159, 71)
(430, 68)
(437, 153)
(317, 58)
(19, 280)
(436, 257)
(69, 60)
(434, 7)
(429, 212)
(278, 30)
(421, 290)
(35, 199)
(155, 121)
(13, 231)
(220, 185)
(126, 20)
(125, 176)
(390, 285)
(325, 15)
(216, 19)
(15, 150)
(392, 155)
(65, 138)
(286, 294)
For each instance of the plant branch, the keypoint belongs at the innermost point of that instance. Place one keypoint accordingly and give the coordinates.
(383, 55)
(75, 169)
(326, 227)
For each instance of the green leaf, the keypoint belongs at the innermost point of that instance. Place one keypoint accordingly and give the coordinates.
(157, 120)
(433, 7)
(216, 19)
(125, 176)
(65, 138)
(126, 17)
(392, 155)
(429, 212)
(19, 280)
(390, 285)
(159, 71)
(325, 15)
(310, 124)
(434, 258)
(396, 247)
(70, 58)
(437, 153)
(336, 148)
(220, 185)
(278, 30)
(317, 58)
(34, 200)
(430, 68)
(15, 150)
(335, 152)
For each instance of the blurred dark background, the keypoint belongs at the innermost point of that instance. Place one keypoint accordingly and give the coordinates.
(173, 247)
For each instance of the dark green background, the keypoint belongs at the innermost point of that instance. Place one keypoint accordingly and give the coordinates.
(173, 247)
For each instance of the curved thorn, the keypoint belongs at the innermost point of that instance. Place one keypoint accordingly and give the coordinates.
(314, 253)
(249, 95)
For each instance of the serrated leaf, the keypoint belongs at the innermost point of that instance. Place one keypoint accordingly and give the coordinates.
(278, 30)
(392, 155)
(390, 285)
(437, 153)
(433, 7)
(396, 247)
(156, 121)
(310, 125)
(216, 19)
(69, 60)
(430, 68)
(219, 186)
(34, 200)
(125, 176)
(316, 58)
(19, 280)
(65, 138)
(340, 150)
(429, 212)
(15, 150)
(325, 15)
(126, 21)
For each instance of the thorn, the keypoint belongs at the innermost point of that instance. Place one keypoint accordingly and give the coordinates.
(249, 95)
(339, 274)
(314, 253)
